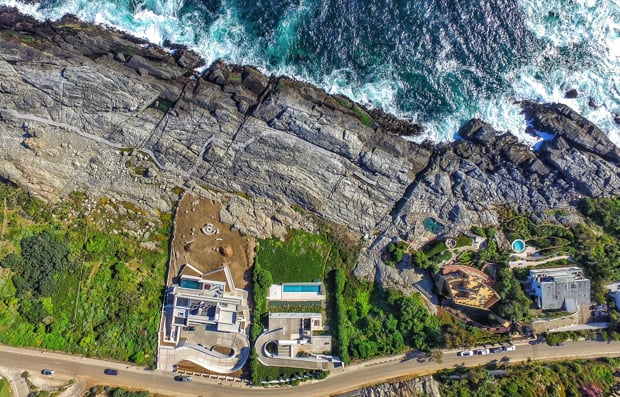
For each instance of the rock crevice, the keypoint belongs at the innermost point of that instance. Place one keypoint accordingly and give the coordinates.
(86, 93)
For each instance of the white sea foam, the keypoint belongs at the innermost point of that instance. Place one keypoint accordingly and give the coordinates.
(591, 23)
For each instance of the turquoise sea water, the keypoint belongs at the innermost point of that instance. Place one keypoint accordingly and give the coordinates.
(438, 62)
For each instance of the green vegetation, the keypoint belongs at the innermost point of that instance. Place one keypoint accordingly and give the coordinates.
(268, 374)
(604, 212)
(458, 335)
(378, 322)
(234, 77)
(394, 253)
(553, 338)
(295, 307)
(81, 277)
(434, 248)
(300, 258)
(338, 315)
(568, 378)
(594, 245)
(363, 117)
(514, 304)
(285, 83)
(108, 391)
(365, 321)
(556, 338)
(262, 280)
(463, 241)
(5, 388)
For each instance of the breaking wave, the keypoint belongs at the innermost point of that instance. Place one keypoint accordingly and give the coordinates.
(438, 62)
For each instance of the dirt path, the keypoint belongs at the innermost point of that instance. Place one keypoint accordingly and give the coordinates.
(527, 263)
(201, 240)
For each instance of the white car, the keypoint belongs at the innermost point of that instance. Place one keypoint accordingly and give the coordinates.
(465, 353)
(481, 352)
(510, 348)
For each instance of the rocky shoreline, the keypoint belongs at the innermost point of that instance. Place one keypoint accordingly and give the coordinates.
(95, 110)
(416, 387)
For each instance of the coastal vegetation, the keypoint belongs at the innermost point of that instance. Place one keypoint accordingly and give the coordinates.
(394, 253)
(108, 391)
(5, 388)
(593, 244)
(568, 378)
(301, 257)
(365, 320)
(81, 276)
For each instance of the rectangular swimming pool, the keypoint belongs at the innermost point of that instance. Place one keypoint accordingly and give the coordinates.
(302, 288)
(193, 284)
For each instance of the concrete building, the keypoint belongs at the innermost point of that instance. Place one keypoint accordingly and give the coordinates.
(204, 321)
(560, 288)
(469, 289)
(296, 339)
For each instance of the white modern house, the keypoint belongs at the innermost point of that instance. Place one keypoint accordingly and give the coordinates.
(560, 288)
(204, 321)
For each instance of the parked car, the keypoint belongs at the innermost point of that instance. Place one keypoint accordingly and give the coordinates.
(109, 371)
(180, 378)
(481, 352)
(496, 349)
(465, 353)
(47, 372)
(510, 348)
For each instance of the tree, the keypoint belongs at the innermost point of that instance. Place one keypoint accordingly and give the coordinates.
(44, 260)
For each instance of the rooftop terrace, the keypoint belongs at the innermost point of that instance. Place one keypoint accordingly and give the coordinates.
(467, 286)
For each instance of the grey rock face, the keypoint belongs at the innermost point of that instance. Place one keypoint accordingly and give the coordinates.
(417, 387)
(76, 99)
(233, 129)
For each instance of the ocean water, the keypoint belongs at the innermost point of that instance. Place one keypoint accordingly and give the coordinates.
(436, 62)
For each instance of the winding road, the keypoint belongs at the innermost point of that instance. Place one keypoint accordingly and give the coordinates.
(90, 371)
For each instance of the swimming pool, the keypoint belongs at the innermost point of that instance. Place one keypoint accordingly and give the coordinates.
(518, 245)
(301, 288)
(193, 284)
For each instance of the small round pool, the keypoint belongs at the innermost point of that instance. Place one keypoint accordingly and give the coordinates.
(518, 246)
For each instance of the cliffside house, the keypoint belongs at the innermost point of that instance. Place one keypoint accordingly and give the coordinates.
(563, 288)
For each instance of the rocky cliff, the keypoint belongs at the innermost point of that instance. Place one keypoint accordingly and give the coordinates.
(90, 109)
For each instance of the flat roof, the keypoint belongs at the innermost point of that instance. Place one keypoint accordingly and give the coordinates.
(227, 316)
(227, 327)
(556, 271)
(558, 275)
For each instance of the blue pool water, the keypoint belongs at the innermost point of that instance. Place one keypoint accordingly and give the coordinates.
(302, 288)
(518, 245)
(193, 284)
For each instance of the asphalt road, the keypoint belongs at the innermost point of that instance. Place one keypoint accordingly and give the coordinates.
(90, 371)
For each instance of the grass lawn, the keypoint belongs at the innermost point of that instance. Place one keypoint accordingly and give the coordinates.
(300, 258)
(5, 388)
